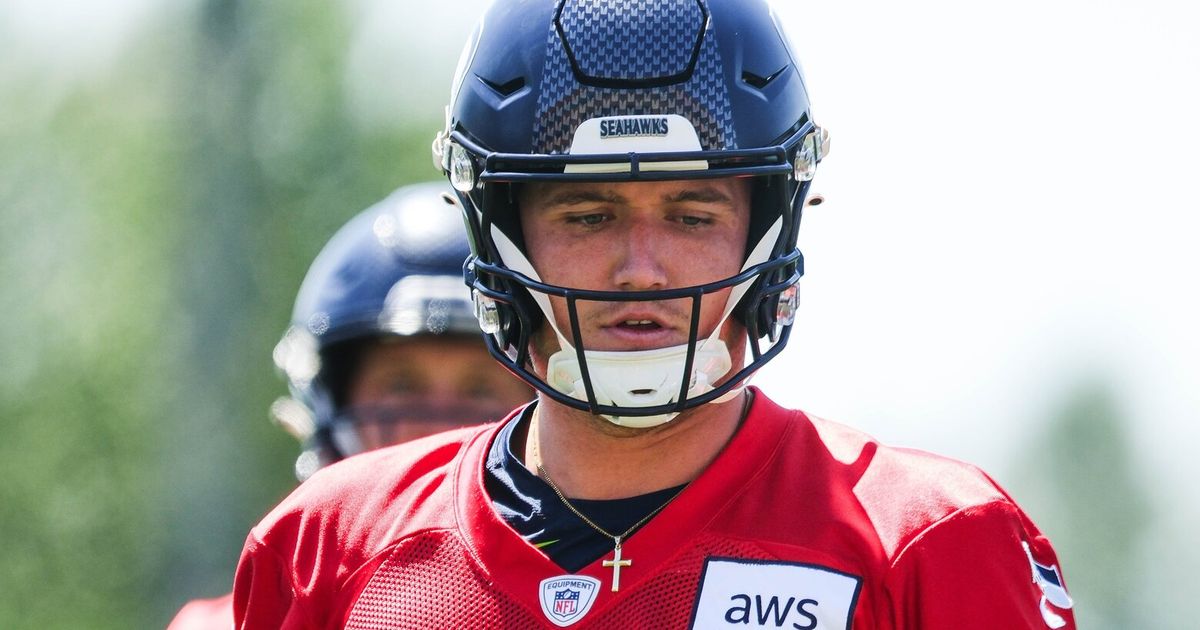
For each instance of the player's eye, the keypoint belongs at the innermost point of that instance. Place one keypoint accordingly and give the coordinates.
(591, 219)
(690, 220)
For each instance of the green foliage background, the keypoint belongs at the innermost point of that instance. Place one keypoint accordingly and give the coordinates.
(156, 225)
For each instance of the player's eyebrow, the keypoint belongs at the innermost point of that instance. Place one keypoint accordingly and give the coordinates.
(573, 197)
(707, 194)
(569, 197)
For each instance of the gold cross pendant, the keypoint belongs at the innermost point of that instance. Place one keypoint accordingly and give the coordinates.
(616, 563)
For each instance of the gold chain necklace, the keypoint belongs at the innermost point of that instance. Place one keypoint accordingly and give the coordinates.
(617, 561)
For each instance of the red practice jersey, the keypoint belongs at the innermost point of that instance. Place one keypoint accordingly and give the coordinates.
(799, 523)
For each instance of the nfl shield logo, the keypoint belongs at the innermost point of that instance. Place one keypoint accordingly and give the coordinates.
(566, 602)
(567, 598)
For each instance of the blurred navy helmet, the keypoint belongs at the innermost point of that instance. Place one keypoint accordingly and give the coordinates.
(393, 270)
(626, 90)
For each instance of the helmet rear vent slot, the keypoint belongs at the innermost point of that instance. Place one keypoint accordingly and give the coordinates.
(759, 81)
(508, 88)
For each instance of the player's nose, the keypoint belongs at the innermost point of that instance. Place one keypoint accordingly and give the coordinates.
(639, 258)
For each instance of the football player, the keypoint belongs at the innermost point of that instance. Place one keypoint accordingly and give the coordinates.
(383, 346)
(632, 175)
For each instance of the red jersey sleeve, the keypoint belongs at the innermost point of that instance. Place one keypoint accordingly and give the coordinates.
(985, 566)
(301, 565)
(263, 594)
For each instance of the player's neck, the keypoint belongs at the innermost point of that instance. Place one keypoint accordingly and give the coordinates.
(590, 458)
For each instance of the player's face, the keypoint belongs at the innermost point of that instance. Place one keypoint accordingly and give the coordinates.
(635, 236)
(406, 388)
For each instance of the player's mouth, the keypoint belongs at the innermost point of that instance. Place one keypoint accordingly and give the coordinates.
(640, 325)
(637, 331)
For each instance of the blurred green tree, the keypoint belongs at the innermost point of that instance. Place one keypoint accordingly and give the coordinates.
(83, 176)
(1079, 481)
(156, 222)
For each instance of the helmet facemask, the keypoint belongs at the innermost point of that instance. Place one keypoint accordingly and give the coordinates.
(645, 387)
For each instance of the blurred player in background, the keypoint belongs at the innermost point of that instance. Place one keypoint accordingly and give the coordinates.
(383, 346)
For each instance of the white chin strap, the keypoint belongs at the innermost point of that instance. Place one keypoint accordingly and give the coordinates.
(643, 378)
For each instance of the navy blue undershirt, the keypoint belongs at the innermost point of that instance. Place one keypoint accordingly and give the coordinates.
(530, 506)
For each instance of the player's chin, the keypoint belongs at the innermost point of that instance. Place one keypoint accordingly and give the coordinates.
(608, 428)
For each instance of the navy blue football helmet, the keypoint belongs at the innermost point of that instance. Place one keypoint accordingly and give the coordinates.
(629, 90)
(394, 269)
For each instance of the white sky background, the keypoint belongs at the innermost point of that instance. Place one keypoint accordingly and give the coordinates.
(1010, 203)
(67, 39)
(1010, 210)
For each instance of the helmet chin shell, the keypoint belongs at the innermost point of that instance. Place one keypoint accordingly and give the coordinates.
(644, 378)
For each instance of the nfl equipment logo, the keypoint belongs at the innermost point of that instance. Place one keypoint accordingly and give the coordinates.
(566, 602)
(567, 598)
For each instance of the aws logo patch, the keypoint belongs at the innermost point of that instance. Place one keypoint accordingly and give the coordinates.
(739, 593)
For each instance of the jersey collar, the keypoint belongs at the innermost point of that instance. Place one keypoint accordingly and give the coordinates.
(514, 565)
